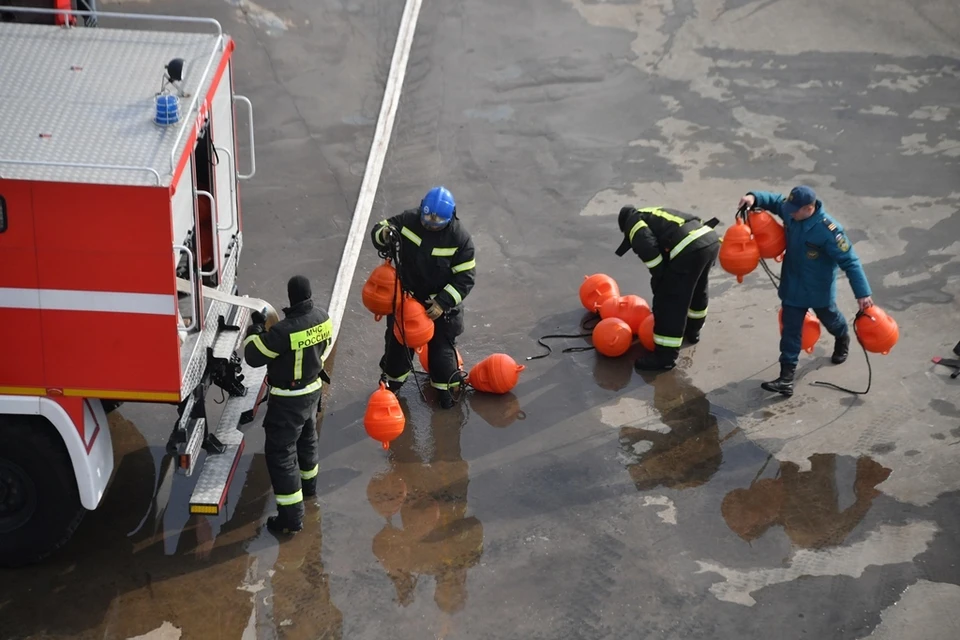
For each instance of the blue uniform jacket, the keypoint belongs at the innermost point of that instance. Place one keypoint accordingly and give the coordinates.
(815, 248)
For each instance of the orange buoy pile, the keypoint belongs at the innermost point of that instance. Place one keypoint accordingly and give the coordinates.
(621, 316)
(739, 254)
(384, 420)
(413, 328)
(810, 333)
(382, 294)
(497, 373)
(876, 330)
(612, 337)
(646, 333)
(769, 235)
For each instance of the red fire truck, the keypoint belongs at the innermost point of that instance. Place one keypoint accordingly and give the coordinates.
(120, 240)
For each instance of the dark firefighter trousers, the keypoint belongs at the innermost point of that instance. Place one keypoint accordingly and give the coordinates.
(680, 299)
(291, 450)
(441, 353)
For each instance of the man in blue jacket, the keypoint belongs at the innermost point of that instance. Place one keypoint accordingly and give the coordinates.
(816, 246)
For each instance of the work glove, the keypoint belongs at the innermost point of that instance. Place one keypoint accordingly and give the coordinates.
(390, 235)
(434, 310)
(257, 317)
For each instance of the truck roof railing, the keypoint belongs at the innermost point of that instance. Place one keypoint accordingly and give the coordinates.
(81, 165)
(155, 17)
(145, 17)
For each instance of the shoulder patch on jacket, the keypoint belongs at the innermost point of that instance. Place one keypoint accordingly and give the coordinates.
(842, 243)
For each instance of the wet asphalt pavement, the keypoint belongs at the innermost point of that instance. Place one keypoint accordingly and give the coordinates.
(591, 502)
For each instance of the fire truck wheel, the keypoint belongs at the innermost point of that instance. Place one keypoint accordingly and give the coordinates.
(39, 502)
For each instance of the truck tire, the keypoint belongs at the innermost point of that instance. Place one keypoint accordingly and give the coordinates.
(39, 502)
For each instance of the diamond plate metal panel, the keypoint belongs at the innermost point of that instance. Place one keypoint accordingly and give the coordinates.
(193, 355)
(86, 96)
(194, 444)
(252, 380)
(227, 342)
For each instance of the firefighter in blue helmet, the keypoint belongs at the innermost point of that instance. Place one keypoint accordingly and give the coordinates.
(437, 267)
(816, 246)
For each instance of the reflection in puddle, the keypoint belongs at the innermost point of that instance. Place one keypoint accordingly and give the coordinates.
(496, 410)
(805, 503)
(681, 448)
(426, 484)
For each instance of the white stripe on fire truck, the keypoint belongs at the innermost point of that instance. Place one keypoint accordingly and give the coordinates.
(97, 301)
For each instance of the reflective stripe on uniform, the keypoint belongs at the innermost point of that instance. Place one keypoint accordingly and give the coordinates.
(310, 388)
(667, 341)
(443, 251)
(310, 473)
(660, 213)
(457, 298)
(414, 238)
(696, 315)
(286, 500)
(652, 263)
(262, 348)
(383, 225)
(401, 378)
(444, 386)
(693, 235)
(298, 364)
(636, 227)
(464, 266)
(312, 336)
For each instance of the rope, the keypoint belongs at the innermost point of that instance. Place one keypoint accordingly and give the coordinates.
(869, 368)
(570, 336)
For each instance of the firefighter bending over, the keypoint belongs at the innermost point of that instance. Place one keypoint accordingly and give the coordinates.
(679, 250)
(292, 350)
(437, 267)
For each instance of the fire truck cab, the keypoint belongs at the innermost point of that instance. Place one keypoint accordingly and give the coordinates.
(120, 240)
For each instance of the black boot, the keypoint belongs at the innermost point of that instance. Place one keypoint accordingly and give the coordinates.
(692, 331)
(309, 487)
(289, 519)
(841, 349)
(446, 399)
(783, 384)
(693, 337)
(662, 359)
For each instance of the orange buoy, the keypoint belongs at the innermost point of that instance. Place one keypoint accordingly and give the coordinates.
(612, 337)
(608, 308)
(645, 333)
(384, 419)
(633, 310)
(810, 333)
(425, 361)
(876, 330)
(739, 254)
(769, 235)
(498, 373)
(382, 293)
(596, 289)
(417, 326)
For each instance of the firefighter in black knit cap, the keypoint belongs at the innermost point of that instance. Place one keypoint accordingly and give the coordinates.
(292, 351)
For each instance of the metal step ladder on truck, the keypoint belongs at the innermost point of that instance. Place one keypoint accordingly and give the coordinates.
(120, 241)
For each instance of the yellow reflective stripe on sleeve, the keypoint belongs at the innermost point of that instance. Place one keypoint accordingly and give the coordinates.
(464, 266)
(298, 364)
(652, 263)
(262, 348)
(292, 393)
(636, 227)
(693, 235)
(696, 315)
(287, 499)
(310, 473)
(444, 251)
(667, 341)
(312, 336)
(457, 299)
(444, 386)
(414, 238)
(660, 213)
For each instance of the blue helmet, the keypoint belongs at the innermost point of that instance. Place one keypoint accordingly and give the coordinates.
(437, 209)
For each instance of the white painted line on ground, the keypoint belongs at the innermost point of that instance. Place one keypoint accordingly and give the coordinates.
(371, 176)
